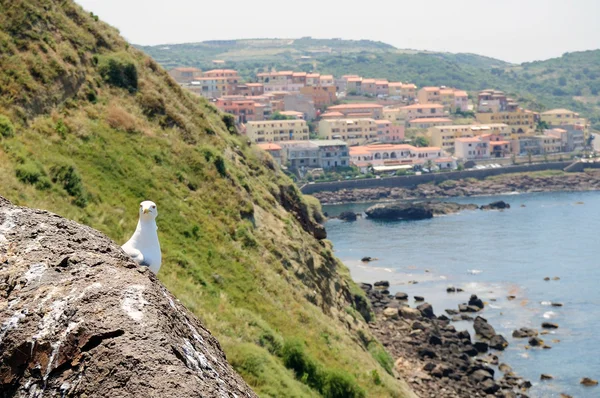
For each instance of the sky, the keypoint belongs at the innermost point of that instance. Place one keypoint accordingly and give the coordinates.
(511, 30)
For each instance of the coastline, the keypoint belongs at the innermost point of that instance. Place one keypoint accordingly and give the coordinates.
(435, 358)
(521, 309)
(588, 180)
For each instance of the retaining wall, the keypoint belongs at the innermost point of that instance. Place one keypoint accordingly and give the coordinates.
(414, 180)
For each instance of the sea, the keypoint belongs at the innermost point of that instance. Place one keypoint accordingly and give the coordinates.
(497, 254)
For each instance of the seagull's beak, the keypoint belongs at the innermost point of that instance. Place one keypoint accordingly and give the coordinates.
(146, 210)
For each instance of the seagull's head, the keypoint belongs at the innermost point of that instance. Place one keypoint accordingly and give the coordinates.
(148, 210)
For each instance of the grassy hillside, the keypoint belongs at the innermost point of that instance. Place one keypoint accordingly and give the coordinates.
(571, 81)
(90, 126)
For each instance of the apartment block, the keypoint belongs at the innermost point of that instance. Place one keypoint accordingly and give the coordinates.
(277, 130)
(445, 136)
(366, 110)
(351, 131)
(417, 111)
(521, 121)
(392, 155)
(471, 148)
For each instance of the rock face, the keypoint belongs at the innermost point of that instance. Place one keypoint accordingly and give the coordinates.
(499, 205)
(347, 216)
(400, 211)
(78, 318)
(415, 211)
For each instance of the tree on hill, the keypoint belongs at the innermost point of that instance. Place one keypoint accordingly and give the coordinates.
(279, 116)
(541, 126)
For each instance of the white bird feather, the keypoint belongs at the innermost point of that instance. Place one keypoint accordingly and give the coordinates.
(143, 246)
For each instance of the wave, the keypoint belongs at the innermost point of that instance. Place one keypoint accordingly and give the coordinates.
(550, 314)
(474, 271)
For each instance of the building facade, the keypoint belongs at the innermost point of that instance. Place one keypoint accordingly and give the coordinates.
(277, 130)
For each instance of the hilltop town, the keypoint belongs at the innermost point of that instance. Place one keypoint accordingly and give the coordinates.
(312, 122)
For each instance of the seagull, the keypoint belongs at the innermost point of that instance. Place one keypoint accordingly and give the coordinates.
(143, 246)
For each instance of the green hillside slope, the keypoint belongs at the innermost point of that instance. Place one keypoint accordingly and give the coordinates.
(90, 126)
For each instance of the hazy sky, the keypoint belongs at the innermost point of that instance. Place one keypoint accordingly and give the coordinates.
(512, 30)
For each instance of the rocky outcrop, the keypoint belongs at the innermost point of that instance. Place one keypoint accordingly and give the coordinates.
(79, 318)
(424, 210)
(399, 211)
(347, 216)
(586, 181)
(499, 205)
(435, 358)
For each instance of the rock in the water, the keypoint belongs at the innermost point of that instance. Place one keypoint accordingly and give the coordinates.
(451, 289)
(483, 328)
(476, 301)
(557, 304)
(481, 346)
(545, 376)
(102, 325)
(419, 298)
(415, 211)
(499, 205)
(498, 342)
(426, 310)
(399, 211)
(524, 332)
(401, 296)
(347, 216)
(536, 342)
(382, 283)
(368, 259)
(549, 325)
(586, 381)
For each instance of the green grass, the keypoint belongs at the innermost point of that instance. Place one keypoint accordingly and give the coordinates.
(90, 139)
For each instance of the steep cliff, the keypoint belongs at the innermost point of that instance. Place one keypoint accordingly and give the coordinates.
(90, 127)
(79, 317)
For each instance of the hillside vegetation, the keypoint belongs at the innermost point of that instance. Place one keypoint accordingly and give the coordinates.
(571, 81)
(90, 126)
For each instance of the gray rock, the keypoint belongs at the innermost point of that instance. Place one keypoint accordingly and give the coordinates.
(483, 328)
(498, 342)
(101, 324)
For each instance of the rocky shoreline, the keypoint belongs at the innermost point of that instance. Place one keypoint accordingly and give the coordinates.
(522, 183)
(436, 359)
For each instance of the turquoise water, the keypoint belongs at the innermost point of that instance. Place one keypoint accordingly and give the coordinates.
(495, 254)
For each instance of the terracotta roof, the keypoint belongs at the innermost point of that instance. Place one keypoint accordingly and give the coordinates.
(332, 114)
(355, 79)
(396, 84)
(356, 106)
(426, 106)
(430, 88)
(460, 93)
(382, 122)
(369, 81)
(269, 146)
(431, 120)
(447, 91)
(254, 84)
(409, 85)
(493, 143)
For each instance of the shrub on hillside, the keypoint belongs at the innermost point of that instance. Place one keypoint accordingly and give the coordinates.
(6, 127)
(340, 384)
(119, 71)
(120, 119)
(33, 174)
(69, 178)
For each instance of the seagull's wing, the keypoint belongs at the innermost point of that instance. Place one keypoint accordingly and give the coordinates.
(134, 253)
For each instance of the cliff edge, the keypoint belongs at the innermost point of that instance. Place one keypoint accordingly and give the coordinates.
(78, 318)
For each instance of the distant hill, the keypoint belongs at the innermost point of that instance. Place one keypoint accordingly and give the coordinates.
(571, 81)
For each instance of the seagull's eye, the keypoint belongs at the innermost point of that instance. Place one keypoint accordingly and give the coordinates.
(154, 207)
